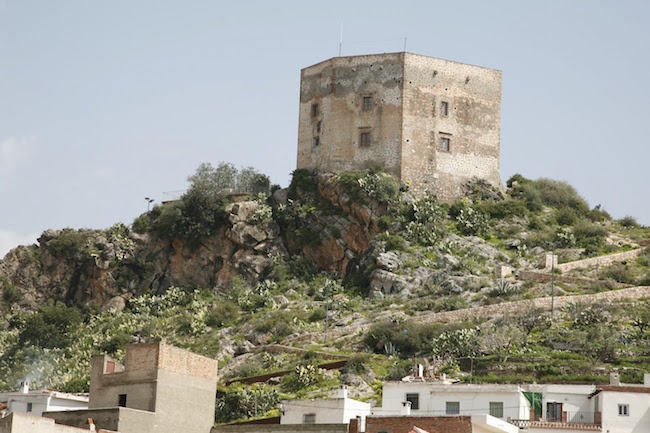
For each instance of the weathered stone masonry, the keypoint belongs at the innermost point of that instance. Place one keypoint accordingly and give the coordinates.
(430, 122)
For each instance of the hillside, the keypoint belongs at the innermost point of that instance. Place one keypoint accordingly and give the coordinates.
(346, 266)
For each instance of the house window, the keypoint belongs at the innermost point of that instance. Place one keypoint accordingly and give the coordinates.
(367, 103)
(445, 144)
(444, 108)
(314, 110)
(364, 138)
(309, 418)
(453, 408)
(110, 366)
(29, 407)
(554, 412)
(316, 141)
(414, 399)
(122, 400)
(496, 409)
(624, 409)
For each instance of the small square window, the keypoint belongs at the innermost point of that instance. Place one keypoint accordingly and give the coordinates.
(415, 400)
(309, 418)
(452, 408)
(364, 138)
(316, 141)
(314, 110)
(445, 144)
(624, 409)
(367, 103)
(444, 108)
(30, 406)
(496, 409)
(122, 400)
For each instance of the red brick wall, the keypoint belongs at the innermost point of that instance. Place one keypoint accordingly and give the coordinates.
(432, 424)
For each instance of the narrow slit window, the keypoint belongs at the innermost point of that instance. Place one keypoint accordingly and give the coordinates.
(364, 139)
(316, 141)
(367, 103)
(318, 126)
(444, 108)
(314, 110)
(445, 144)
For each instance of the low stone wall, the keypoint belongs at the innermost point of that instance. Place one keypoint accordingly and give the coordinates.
(528, 304)
(601, 261)
(544, 277)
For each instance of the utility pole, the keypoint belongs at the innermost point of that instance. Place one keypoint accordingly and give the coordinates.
(553, 281)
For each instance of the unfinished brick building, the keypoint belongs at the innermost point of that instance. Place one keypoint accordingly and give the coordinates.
(429, 122)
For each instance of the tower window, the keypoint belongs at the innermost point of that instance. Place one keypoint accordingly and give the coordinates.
(314, 110)
(122, 400)
(367, 103)
(444, 108)
(445, 144)
(318, 126)
(316, 141)
(364, 138)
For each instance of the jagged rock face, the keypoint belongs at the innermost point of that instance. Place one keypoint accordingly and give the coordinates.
(339, 240)
(90, 268)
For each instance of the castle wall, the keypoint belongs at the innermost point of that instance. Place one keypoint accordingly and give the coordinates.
(405, 120)
(471, 123)
(337, 88)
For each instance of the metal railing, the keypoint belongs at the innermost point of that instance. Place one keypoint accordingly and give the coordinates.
(579, 417)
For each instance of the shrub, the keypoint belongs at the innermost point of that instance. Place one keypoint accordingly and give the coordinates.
(407, 338)
(424, 221)
(50, 327)
(628, 222)
(238, 401)
(472, 222)
(302, 377)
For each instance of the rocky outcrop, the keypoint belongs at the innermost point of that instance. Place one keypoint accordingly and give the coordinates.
(105, 267)
(336, 234)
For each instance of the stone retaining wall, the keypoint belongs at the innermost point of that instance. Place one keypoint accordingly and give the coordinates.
(544, 277)
(601, 261)
(539, 303)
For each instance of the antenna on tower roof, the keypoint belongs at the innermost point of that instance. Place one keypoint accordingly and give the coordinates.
(341, 40)
(405, 43)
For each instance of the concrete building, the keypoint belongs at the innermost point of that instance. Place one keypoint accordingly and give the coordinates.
(338, 410)
(620, 408)
(160, 389)
(447, 399)
(39, 401)
(429, 122)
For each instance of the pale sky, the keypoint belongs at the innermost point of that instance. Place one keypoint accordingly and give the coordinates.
(104, 103)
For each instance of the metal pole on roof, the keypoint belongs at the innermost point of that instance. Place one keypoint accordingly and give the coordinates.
(341, 41)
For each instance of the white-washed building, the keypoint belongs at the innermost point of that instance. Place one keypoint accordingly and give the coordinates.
(38, 401)
(338, 410)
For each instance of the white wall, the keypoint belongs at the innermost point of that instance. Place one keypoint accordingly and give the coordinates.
(574, 398)
(328, 411)
(43, 403)
(473, 399)
(638, 420)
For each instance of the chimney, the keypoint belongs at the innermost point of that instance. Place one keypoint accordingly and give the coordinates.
(406, 408)
(91, 425)
(24, 387)
(342, 392)
(614, 379)
(420, 370)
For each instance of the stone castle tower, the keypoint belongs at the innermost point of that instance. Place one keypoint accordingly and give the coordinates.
(432, 123)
